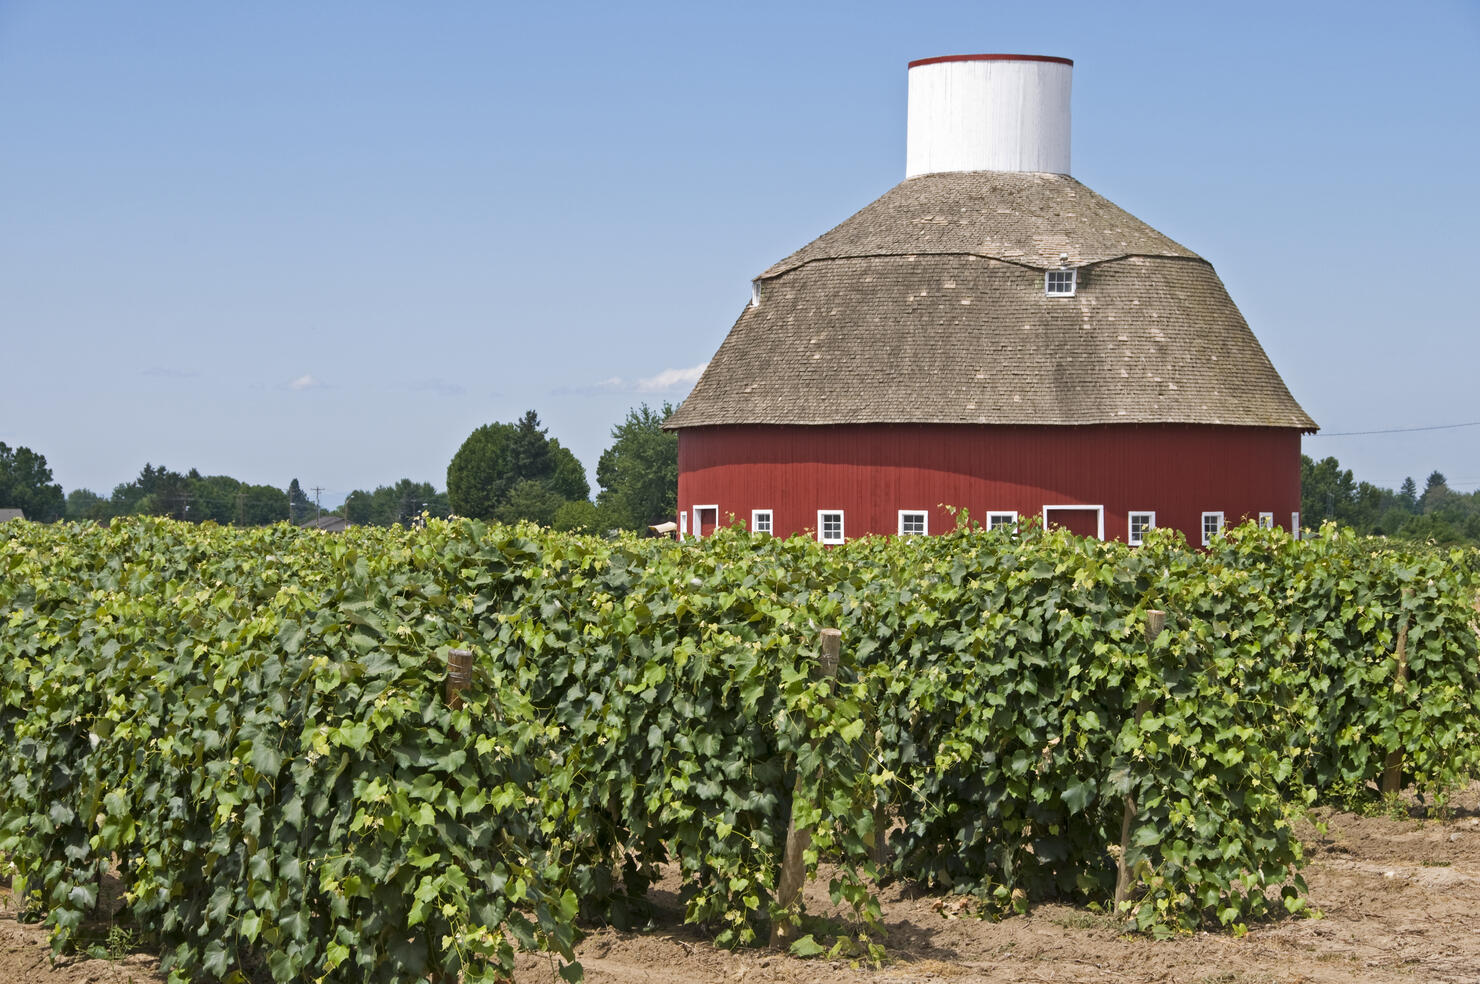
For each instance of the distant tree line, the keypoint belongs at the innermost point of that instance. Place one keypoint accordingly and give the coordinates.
(191, 496)
(400, 503)
(505, 472)
(512, 472)
(1438, 513)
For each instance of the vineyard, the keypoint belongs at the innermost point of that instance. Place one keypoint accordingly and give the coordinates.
(250, 728)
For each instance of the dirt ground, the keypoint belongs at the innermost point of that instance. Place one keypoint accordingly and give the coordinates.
(1399, 901)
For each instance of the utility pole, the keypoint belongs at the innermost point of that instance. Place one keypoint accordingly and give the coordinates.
(318, 511)
(241, 509)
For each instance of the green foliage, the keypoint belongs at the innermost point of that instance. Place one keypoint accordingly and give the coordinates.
(25, 484)
(300, 506)
(159, 491)
(85, 504)
(1439, 515)
(582, 516)
(567, 474)
(391, 504)
(638, 474)
(530, 499)
(481, 472)
(514, 472)
(249, 724)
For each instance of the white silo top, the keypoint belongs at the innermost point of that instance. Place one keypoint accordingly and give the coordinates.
(988, 113)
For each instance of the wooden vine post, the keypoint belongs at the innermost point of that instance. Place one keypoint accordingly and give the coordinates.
(1392, 769)
(459, 675)
(459, 678)
(793, 866)
(1155, 622)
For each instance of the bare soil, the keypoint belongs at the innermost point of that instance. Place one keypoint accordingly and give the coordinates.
(1399, 900)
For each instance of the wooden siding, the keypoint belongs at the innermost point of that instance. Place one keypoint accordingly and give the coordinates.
(871, 471)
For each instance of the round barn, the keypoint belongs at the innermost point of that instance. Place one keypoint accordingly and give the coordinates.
(993, 336)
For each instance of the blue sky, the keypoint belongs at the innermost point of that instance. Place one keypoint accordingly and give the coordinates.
(327, 240)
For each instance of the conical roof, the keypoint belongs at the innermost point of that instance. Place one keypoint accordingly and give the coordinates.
(928, 306)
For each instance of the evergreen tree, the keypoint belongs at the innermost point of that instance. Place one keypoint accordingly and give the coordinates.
(510, 472)
(1408, 493)
(1435, 489)
(300, 507)
(529, 452)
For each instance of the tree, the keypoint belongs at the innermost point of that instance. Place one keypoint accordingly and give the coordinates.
(1435, 492)
(581, 516)
(480, 474)
(192, 496)
(510, 472)
(1326, 491)
(300, 508)
(530, 499)
(567, 474)
(1408, 494)
(529, 451)
(26, 484)
(86, 504)
(1440, 514)
(638, 474)
(391, 504)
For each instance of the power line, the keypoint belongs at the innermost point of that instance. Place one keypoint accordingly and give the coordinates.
(1397, 430)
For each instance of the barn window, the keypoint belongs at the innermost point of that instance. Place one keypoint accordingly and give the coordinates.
(1059, 283)
(1212, 522)
(1266, 521)
(913, 523)
(760, 521)
(1295, 525)
(1140, 522)
(1002, 521)
(830, 526)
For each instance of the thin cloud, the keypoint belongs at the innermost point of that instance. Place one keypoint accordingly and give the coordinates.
(303, 382)
(440, 387)
(671, 378)
(612, 385)
(668, 379)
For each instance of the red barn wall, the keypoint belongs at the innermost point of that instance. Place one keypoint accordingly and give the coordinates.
(871, 471)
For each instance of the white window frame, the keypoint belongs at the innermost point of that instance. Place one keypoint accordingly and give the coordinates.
(924, 521)
(1203, 527)
(1266, 521)
(683, 524)
(1048, 276)
(755, 519)
(1295, 525)
(698, 523)
(821, 536)
(1131, 536)
(1009, 518)
(1099, 516)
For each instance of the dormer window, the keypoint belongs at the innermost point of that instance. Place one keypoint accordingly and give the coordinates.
(1059, 283)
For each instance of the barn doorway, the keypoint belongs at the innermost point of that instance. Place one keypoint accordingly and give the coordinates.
(1079, 520)
(706, 518)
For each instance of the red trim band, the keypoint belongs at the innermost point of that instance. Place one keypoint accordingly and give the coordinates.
(960, 58)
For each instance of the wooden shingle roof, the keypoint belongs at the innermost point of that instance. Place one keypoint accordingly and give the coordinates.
(928, 307)
(1026, 217)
